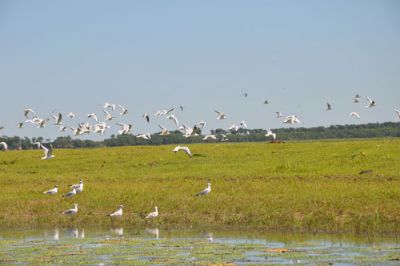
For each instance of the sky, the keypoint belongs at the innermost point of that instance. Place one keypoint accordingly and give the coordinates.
(62, 56)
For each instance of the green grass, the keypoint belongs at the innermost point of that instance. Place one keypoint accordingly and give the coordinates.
(303, 186)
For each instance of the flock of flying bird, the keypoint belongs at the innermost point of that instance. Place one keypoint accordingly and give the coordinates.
(109, 114)
(109, 109)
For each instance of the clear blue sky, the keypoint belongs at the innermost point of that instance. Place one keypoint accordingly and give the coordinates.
(147, 55)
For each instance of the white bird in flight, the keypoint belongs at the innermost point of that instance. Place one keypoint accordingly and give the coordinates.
(291, 119)
(354, 114)
(58, 119)
(124, 110)
(145, 136)
(210, 136)
(71, 115)
(147, 117)
(117, 213)
(371, 103)
(27, 111)
(201, 124)
(278, 114)
(397, 113)
(72, 211)
(356, 99)
(51, 191)
(328, 107)
(94, 116)
(108, 115)
(205, 191)
(109, 105)
(234, 128)
(173, 119)
(126, 128)
(185, 149)
(164, 131)
(152, 214)
(48, 152)
(270, 133)
(221, 115)
(4, 145)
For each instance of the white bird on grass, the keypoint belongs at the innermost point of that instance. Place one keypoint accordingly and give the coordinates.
(78, 187)
(185, 149)
(4, 145)
(371, 103)
(152, 214)
(221, 115)
(354, 114)
(117, 213)
(51, 191)
(205, 191)
(71, 193)
(72, 211)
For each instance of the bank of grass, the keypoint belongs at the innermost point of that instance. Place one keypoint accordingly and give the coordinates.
(304, 186)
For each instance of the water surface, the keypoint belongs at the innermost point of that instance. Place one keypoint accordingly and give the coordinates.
(155, 246)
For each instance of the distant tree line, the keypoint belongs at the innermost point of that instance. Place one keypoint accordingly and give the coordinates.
(371, 130)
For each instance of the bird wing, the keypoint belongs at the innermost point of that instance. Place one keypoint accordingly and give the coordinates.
(187, 151)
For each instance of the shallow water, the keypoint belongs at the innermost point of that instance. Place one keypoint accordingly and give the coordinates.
(183, 247)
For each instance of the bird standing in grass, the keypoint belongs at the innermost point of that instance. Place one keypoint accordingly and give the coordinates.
(72, 211)
(205, 191)
(51, 191)
(117, 213)
(153, 214)
(71, 193)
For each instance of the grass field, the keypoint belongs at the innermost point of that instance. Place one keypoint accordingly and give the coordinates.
(302, 186)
